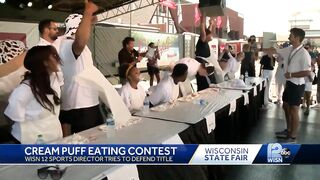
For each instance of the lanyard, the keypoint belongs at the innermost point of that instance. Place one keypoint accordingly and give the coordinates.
(292, 55)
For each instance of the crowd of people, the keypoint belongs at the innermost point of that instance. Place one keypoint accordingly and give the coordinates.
(294, 77)
(49, 101)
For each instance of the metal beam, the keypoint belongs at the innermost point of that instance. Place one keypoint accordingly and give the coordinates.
(136, 5)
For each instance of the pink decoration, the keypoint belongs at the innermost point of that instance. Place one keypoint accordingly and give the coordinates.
(168, 3)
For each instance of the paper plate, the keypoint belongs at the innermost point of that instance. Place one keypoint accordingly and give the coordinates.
(159, 108)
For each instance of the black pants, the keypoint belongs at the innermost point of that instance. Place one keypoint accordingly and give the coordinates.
(202, 82)
(82, 119)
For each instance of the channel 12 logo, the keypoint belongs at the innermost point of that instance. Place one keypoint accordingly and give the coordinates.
(276, 153)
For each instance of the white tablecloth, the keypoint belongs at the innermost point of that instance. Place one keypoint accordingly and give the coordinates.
(256, 80)
(232, 85)
(147, 131)
(191, 112)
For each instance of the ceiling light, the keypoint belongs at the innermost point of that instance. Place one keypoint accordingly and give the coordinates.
(29, 4)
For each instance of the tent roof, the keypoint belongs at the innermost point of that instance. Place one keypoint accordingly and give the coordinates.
(17, 10)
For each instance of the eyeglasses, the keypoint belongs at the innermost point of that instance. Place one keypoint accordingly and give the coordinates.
(56, 173)
(54, 28)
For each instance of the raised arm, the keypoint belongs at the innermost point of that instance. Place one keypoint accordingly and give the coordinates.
(212, 25)
(83, 33)
(203, 27)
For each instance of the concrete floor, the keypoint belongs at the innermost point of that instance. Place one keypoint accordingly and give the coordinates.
(273, 120)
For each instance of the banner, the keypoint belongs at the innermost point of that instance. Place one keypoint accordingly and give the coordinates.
(204, 154)
(168, 45)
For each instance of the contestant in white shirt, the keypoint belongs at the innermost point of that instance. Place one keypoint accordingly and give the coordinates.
(35, 104)
(168, 89)
(232, 65)
(80, 103)
(132, 93)
(49, 35)
(194, 67)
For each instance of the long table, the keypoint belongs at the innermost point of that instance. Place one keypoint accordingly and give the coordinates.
(183, 123)
(244, 103)
(147, 131)
(229, 127)
(192, 112)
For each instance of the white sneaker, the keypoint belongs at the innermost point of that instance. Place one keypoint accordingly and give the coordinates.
(317, 106)
(278, 102)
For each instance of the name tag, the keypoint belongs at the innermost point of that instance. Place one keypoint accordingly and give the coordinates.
(211, 122)
(246, 98)
(255, 91)
(233, 106)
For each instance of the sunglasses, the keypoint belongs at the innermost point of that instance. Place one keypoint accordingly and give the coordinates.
(55, 172)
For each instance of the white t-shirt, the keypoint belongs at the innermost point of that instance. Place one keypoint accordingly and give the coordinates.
(75, 96)
(165, 91)
(150, 53)
(30, 118)
(132, 98)
(300, 61)
(193, 65)
(55, 44)
(233, 65)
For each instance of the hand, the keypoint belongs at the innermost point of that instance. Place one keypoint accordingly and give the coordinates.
(287, 75)
(212, 21)
(90, 7)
